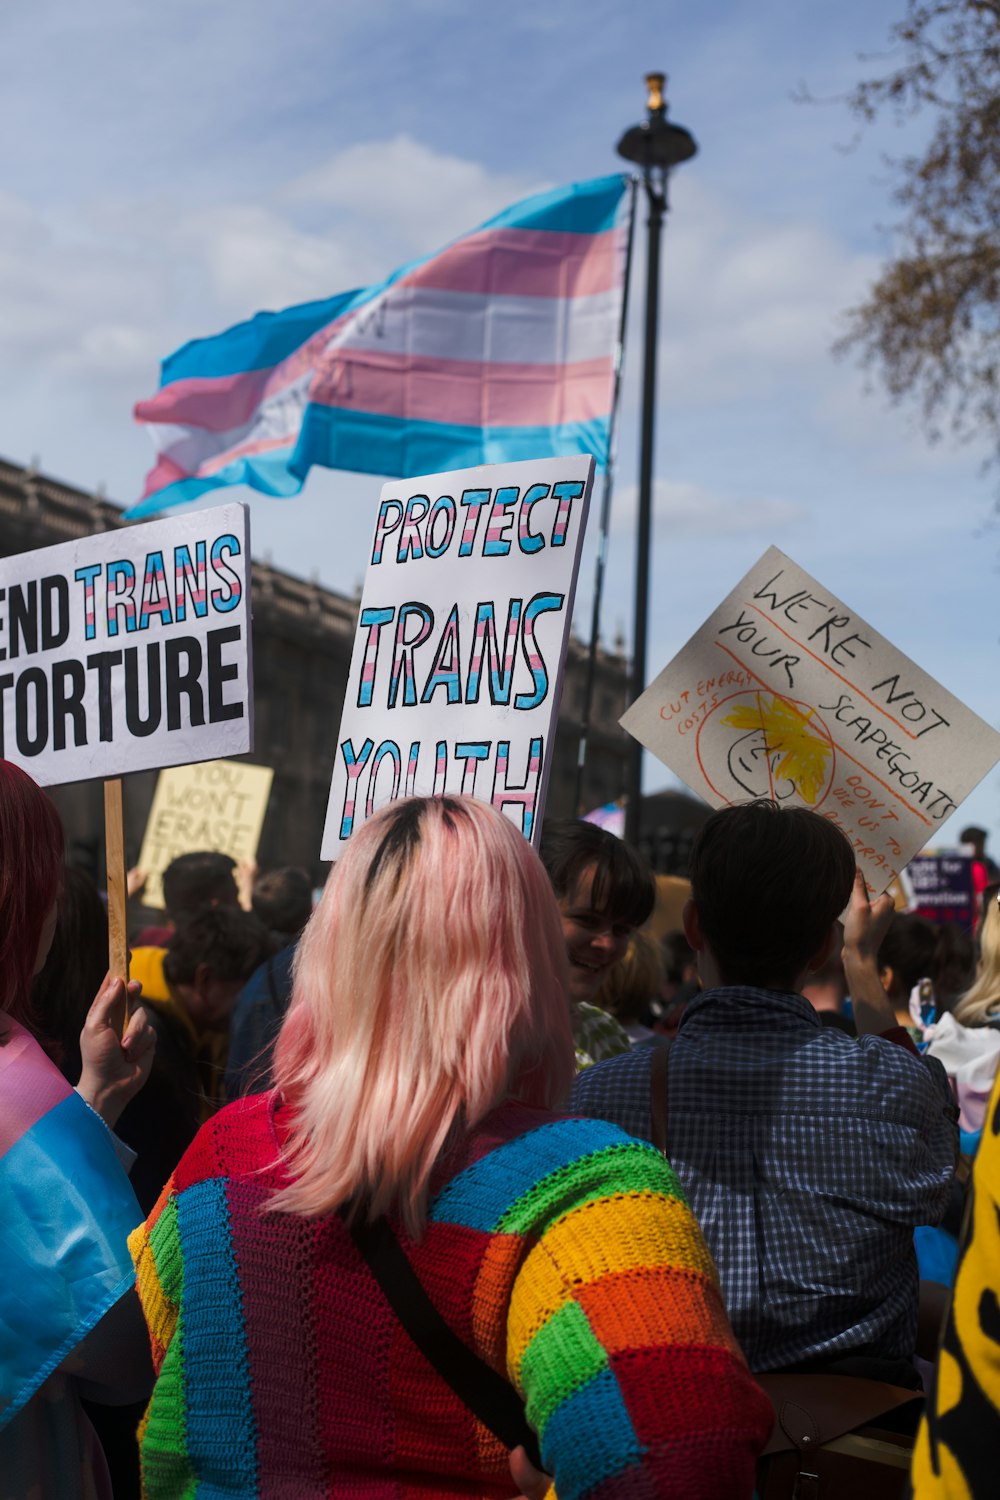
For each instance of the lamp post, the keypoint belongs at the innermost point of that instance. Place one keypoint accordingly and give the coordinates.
(655, 146)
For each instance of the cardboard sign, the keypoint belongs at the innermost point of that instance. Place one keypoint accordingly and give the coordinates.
(128, 650)
(217, 805)
(458, 661)
(941, 887)
(786, 693)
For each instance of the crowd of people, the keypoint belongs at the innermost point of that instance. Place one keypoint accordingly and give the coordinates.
(476, 1179)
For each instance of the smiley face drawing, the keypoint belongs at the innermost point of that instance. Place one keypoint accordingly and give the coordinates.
(754, 766)
(758, 744)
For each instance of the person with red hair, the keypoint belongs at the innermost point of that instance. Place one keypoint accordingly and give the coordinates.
(401, 1265)
(70, 1325)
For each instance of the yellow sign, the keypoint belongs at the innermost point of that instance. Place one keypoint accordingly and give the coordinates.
(215, 804)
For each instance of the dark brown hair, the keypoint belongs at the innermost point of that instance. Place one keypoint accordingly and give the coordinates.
(623, 885)
(194, 882)
(282, 899)
(768, 882)
(231, 942)
(910, 950)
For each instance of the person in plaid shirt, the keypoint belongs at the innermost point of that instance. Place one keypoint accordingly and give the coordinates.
(808, 1157)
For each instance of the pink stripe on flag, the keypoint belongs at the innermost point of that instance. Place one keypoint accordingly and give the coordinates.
(466, 393)
(218, 403)
(525, 263)
(213, 402)
(163, 472)
(30, 1085)
(500, 262)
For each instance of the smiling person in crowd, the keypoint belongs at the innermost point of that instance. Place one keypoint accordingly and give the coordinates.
(604, 892)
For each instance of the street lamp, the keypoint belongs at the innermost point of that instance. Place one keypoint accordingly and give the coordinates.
(655, 146)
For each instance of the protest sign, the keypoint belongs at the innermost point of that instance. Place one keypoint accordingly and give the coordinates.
(940, 886)
(785, 692)
(128, 650)
(458, 661)
(217, 805)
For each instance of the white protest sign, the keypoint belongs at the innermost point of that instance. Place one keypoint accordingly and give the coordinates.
(458, 661)
(785, 692)
(215, 804)
(128, 650)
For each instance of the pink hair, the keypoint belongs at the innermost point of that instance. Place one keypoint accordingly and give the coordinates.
(31, 852)
(429, 987)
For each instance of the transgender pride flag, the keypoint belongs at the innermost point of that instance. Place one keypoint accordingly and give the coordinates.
(500, 347)
(66, 1211)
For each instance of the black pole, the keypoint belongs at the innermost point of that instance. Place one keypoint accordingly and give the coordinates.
(605, 526)
(644, 528)
(657, 145)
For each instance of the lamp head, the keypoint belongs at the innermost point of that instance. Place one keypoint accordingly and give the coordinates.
(657, 144)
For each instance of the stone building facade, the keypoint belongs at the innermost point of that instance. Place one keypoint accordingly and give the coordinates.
(302, 639)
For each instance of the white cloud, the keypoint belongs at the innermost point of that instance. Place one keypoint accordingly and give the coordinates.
(114, 291)
(57, 293)
(256, 257)
(424, 196)
(684, 509)
(749, 303)
(116, 349)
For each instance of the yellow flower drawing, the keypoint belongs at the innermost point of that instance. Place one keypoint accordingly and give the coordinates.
(804, 753)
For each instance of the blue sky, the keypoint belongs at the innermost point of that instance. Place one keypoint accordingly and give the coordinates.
(166, 171)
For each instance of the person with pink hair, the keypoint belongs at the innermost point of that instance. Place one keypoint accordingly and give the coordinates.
(402, 1265)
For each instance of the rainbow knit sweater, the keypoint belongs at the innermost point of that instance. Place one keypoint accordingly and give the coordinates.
(561, 1250)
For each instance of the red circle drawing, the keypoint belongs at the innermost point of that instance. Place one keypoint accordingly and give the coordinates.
(742, 764)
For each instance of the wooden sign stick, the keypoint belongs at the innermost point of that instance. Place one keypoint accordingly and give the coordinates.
(114, 843)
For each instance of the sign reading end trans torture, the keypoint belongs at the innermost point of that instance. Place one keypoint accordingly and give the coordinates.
(458, 661)
(787, 693)
(129, 650)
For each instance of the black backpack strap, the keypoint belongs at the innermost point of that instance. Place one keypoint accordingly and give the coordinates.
(492, 1398)
(659, 1080)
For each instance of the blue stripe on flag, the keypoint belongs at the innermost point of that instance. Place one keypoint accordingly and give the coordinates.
(262, 341)
(267, 472)
(66, 1211)
(581, 208)
(371, 443)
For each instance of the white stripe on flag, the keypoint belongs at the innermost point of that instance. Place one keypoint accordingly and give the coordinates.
(495, 329)
(277, 417)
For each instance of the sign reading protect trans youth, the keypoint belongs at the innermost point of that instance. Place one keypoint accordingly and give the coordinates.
(129, 650)
(787, 693)
(458, 661)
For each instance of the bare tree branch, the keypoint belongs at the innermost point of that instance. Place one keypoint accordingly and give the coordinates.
(930, 326)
